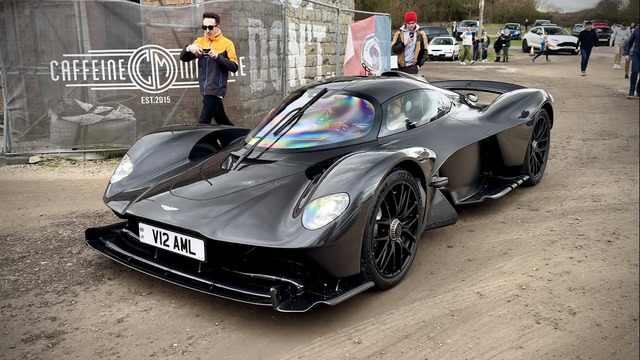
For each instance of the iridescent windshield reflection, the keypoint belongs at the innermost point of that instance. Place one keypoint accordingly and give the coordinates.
(332, 119)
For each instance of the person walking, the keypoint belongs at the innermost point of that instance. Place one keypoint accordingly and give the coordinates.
(587, 40)
(454, 29)
(467, 42)
(526, 25)
(544, 48)
(216, 58)
(506, 44)
(497, 46)
(627, 60)
(633, 48)
(618, 38)
(484, 44)
(410, 44)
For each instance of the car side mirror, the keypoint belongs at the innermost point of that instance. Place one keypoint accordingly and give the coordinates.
(472, 98)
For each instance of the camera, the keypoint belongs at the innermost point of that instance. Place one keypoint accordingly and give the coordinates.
(205, 52)
(411, 34)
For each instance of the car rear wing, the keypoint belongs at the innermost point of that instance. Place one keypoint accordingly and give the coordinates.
(496, 87)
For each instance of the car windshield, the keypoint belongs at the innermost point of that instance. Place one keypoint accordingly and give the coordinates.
(603, 31)
(512, 26)
(464, 24)
(555, 30)
(332, 119)
(442, 41)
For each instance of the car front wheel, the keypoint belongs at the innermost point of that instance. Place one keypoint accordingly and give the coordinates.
(537, 149)
(525, 48)
(392, 231)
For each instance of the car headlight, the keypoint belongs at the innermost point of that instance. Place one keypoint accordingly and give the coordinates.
(124, 168)
(324, 210)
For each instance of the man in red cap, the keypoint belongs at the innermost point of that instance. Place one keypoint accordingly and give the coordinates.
(410, 44)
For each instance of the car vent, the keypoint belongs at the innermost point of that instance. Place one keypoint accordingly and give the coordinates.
(228, 163)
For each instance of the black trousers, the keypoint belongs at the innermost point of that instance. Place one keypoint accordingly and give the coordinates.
(212, 107)
(411, 69)
(546, 54)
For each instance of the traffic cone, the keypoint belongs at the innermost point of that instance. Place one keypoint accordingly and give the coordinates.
(531, 52)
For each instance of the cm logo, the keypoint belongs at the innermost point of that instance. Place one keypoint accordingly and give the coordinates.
(152, 69)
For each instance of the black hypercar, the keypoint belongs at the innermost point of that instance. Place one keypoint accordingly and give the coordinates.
(329, 194)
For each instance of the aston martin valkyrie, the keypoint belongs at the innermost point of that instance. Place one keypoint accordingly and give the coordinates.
(329, 194)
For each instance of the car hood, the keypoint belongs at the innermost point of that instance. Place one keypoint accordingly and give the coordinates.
(562, 39)
(441, 47)
(230, 205)
(214, 179)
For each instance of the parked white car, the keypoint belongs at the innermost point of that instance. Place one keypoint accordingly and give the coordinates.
(443, 47)
(559, 39)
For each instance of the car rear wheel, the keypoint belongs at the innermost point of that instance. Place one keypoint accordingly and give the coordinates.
(537, 150)
(525, 48)
(392, 231)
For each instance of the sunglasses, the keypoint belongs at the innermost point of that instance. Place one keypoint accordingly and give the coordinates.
(210, 27)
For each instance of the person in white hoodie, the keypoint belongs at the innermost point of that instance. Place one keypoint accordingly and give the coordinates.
(618, 39)
(467, 43)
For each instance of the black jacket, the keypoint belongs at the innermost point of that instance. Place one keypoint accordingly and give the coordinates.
(587, 39)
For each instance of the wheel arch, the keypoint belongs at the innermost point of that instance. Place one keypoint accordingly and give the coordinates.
(414, 169)
(547, 106)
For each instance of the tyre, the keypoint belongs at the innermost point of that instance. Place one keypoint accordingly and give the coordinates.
(525, 48)
(392, 230)
(537, 150)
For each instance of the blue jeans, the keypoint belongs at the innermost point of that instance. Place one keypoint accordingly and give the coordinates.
(585, 59)
(633, 79)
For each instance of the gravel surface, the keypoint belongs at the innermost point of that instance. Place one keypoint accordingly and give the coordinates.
(549, 272)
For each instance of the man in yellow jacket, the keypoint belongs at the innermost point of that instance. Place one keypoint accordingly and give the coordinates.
(410, 44)
(216, 58)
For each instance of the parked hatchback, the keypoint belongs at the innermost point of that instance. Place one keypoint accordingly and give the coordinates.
(434, 31)
(463, 26)
(514, 29)
(541, 22)
(444, 47)
(604, 34)
(577, 28)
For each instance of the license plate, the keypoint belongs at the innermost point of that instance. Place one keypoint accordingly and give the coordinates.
(172, 241)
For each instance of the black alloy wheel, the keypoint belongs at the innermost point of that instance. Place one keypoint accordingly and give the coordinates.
(393, 229)
(538, 149)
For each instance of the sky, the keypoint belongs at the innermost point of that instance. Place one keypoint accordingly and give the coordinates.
(572, 5)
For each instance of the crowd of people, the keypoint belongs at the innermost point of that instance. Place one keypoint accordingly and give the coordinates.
(216, 55)
(625, 39)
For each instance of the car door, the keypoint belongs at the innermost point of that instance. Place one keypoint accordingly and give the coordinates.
(537, 34)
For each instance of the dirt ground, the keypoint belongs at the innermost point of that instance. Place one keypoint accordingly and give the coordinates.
(549, 272)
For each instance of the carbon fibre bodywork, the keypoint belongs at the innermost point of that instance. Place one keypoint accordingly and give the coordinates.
(207, 182)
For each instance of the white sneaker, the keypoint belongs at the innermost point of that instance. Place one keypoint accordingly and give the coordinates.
(472, 61)
(615, 66)
(485, 60)
(463, 63)
(584, 73)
